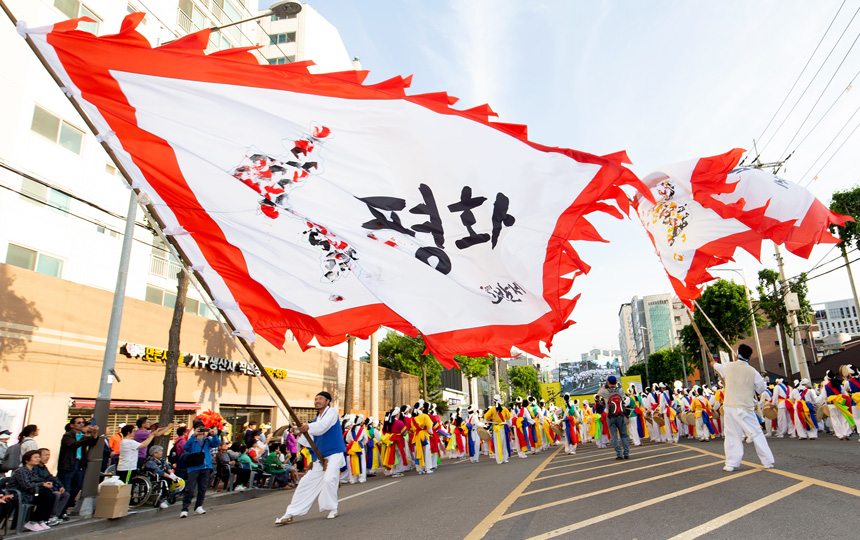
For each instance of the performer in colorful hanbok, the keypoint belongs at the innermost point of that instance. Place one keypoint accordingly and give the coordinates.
(422, 426)
(521, 421)
(498, 418)
(570, 420)
(769, 425)
(651, 404)
(669, 414)
(436, 444)
(785, 408)
(841, 418)
(805, 423)
(851, 387)
(536, 434)
(701, 407)
(635, 416)
(395, 456)
(473, 439)
(356, 443)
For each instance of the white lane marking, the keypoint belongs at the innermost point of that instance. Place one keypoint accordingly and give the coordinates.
(725, 519)
(368, 491)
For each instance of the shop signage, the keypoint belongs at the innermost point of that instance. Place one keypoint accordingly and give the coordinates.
(200, 361)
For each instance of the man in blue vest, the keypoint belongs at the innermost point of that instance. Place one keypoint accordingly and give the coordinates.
(327, 435)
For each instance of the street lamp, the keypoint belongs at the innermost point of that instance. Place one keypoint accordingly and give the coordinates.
(743, 275)
(645, 354)
(284, 8)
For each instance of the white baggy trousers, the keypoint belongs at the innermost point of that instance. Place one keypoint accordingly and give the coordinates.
(737, 423)
(318, 482)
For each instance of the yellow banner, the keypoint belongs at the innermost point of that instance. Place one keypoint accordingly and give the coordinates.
(551, 393)
(635, 379)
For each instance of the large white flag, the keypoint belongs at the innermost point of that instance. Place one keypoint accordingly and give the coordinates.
(704, 209)
(320, 205)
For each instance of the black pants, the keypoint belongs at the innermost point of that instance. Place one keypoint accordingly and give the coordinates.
(44, 502)
(196, 479)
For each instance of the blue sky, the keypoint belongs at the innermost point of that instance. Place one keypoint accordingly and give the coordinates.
(665, 80)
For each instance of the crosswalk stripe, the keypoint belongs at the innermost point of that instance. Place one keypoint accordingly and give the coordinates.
(608, 465)
(745, 510)
(607, 490)
(639, 506)
(487, 523)
(601, 477)
(608, 455)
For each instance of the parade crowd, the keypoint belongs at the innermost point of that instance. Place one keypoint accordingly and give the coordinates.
(416, 438)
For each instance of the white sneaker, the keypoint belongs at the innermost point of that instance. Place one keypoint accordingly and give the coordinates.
(397, 475)
(728, 469)
(31, 526)
(183, 514)
(53, 521)
(332, 514)
(199, 511)
(164, 505)
(768, 466)
(239, 488)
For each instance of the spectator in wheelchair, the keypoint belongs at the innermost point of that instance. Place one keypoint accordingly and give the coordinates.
(61, 496)
(34, 490)
(129, 450)
(161, 469)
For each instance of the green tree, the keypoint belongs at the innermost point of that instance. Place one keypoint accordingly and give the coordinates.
(848, 203)
(772, 304)
(524, 382)
(473, 367)
(403, 353)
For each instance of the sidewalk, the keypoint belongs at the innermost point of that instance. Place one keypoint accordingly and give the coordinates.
(79, 527)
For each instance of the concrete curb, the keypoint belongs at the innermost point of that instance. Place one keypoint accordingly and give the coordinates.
(79, 528)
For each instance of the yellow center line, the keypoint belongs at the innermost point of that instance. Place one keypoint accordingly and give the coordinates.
(487, 523)
(725, 519)
(639, 506)
(623, 471)
(607, 490)
(795, 476)
(609, 454)
(608, 465)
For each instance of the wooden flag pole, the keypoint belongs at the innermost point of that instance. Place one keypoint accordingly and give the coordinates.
(706, 353)
(729, 347)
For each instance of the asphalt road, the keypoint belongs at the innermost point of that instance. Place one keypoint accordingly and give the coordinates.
(663, 491)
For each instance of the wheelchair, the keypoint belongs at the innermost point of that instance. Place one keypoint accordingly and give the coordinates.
(148, 487)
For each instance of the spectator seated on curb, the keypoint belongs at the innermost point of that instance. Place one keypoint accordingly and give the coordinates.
(34, 490)
(275, 466)
(61, 496)
(246, 465)
(161, 468)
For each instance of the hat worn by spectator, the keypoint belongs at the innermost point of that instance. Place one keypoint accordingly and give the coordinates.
(5, 434)
(612, 379)
(325, 395)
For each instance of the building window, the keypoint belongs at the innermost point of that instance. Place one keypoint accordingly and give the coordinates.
(42, 195)
(74, 8)
(286, 37)
(103, 230)
(284, 17)
(161, 297)
(282, 60)
(33, 260)
(57, 130)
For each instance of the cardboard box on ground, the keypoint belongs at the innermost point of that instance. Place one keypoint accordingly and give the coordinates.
(112, 501)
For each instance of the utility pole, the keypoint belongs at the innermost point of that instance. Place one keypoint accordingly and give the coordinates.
(374, 376)
(348, 396)
(797, 343)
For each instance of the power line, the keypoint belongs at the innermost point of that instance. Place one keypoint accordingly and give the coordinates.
(837, 150)
(801, 73)
(83, 218)
(821, 155)
(809, 84)
(821, 95)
